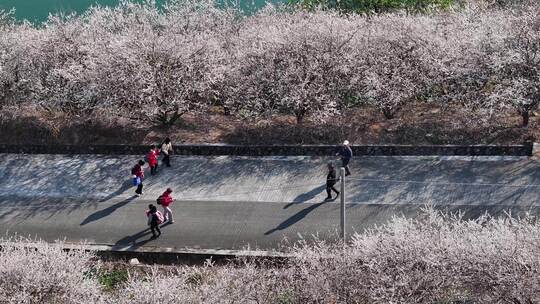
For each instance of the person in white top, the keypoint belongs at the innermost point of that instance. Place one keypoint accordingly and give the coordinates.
(167, 150)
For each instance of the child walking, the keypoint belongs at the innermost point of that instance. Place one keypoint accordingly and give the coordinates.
(152, 157)
(138, 176)
(155, 218)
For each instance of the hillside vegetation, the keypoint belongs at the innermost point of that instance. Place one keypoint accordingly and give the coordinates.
(137, 65)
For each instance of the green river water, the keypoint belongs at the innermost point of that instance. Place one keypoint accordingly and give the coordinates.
(38, 10)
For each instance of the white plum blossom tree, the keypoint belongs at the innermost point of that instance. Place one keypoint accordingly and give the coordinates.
(159, 66)
(398, 62)
(295, 63)
(517, 65)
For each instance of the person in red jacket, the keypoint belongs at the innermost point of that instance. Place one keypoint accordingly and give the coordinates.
(152, 158)
(166, 200)
(138, 176)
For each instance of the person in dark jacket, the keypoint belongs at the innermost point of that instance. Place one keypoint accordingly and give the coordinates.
(345, 152)
(138, 176)
(155, 218)
(331, 180)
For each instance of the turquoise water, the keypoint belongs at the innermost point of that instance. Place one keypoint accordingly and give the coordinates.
(38, 10)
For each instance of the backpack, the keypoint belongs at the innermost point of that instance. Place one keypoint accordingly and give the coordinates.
(134, 170)
(158, 218)
(159, 200)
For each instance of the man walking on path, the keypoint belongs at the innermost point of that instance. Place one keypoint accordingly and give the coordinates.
(155, 218)
(152, 158)
(166, 200)
(138, 176)
(346, 154)
(167, 149)
(331, 180)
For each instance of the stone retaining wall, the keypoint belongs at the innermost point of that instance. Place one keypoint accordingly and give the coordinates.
(311, 150)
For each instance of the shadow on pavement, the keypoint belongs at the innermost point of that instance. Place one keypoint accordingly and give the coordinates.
(123, 188)
(105, 212)
(304, 197)
(294, 219)
(165, 224)
(131, 242)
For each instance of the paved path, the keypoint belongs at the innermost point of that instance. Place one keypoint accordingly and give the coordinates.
(233, 202)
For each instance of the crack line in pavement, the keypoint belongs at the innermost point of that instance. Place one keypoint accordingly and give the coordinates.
(445, 184)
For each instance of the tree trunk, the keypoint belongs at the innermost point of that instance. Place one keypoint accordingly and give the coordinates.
(388, 113)
(300, 115)
(166, 120)
(299, 119)
(525, 118)
(226, 111)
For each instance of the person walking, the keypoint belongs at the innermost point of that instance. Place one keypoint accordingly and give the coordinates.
(167, 150)
(166, 200)
(346, 154)
(157, 151)
(138, 176)
(155, 218)
(331, 180)
(152, 158)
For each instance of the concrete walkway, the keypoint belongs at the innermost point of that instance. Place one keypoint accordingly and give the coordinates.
(234, 202)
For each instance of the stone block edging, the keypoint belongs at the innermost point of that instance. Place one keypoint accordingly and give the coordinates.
(171, 256)
(282, 150)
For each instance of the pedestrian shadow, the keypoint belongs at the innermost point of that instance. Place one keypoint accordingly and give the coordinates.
(106, 212)
(123, 188)
(304, 197)
(294, 219)
(165, 224)
(132, 242)
(331, 199)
